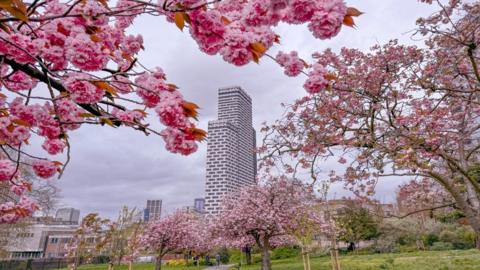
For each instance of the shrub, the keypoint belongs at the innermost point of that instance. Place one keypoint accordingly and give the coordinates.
(179, 262)
(285, 252)
(429, 239)
(441, 246)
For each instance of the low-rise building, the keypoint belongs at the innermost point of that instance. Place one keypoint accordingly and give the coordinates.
(42, 239)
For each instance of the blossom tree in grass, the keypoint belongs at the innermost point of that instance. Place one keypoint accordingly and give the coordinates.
(394, 111)
(264, 215)
(69, 64)
(174, 233)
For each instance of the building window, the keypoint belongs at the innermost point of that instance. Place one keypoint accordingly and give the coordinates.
(54, 240)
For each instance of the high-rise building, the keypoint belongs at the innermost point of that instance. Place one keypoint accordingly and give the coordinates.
(231, 157)
(199, 205)
(68, 215)
(153, 210)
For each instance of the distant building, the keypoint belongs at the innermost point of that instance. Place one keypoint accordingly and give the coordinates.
(231, 156)
(199, 205)
(68, 215)
(153, 210)
(41, 240)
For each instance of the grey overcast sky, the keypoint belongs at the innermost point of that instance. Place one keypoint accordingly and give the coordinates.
(115, 167)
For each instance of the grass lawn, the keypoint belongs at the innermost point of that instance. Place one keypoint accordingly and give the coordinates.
(139, 266)
(426, 260)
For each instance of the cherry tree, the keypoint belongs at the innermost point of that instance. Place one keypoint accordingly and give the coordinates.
(88, 240)
(263, 214)
(419, 196)
(68, 64)
(171, 234)
(395, 110)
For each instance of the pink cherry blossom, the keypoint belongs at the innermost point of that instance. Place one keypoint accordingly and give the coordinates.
(7, 170)
(54, 146)
(291, 62)
(44, 168)
(82, 89)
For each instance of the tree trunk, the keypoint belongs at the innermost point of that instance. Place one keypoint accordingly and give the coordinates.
(304, 259)
(266, 265)
(130, 265)
(158, 263)
(308, 261)
(248, 255)
(477, 241)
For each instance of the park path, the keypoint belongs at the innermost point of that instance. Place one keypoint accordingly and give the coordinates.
(221, 267)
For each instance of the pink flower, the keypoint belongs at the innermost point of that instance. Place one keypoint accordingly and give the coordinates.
(84, 53)
(291, 62)
(151, 84)
(19, 81)
(236, 49)
(132, 44)
(81, 90)
(53, 146)
(208, 30)
(170, 109)
(127, 115)
(316, 79)
(44, 168)
(327, 21)
(178, 141)
(300, 11)
(7, 169)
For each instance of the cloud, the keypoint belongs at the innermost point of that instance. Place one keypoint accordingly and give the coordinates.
(115, 167)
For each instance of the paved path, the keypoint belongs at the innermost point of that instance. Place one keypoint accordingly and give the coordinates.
(221, 267)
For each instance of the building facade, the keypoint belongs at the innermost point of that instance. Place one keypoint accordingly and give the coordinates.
(199, 205)
(231, 157)
(153, 210)
(68, 215)
(41, 240)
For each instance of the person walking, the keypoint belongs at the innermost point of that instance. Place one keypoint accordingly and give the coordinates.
(217, 257)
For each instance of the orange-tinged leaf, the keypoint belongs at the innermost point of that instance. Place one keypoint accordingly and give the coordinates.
(87, 115)
(127, 57)
(305, 64)
(4, 28)
(21, 122)
(144, 113)
(172, 87)
(107, 121)
(330, 77)
(199, 134)
(95, 38)
(190, 109)
(348, 21)
(351, 11)
(106, 87)
(104, 3)
(258, 47)
(58, 163)
(17, 13)
(225, 20)
(179, 20)
(256, 56)
(10, 128)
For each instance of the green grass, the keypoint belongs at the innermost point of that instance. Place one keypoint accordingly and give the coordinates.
(426, 260)
(139, 266)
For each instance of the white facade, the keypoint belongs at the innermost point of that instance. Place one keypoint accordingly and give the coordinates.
(31, 242)
(70, 215)
(231, 157)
